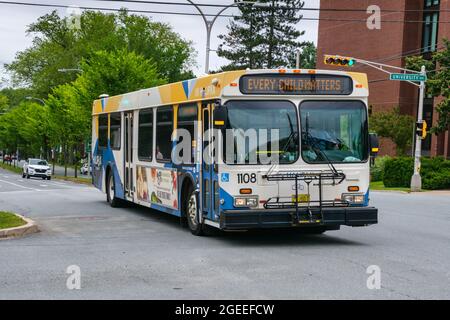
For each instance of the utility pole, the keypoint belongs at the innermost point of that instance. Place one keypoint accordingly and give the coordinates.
(416, 179)
(407, 75)
(297, 60)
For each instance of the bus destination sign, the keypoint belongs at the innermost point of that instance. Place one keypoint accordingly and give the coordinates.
(296, 84)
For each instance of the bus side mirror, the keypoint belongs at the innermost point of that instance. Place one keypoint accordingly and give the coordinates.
(374, 144)
(220, 117)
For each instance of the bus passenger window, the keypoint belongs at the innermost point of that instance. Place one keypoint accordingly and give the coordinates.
(164, 128)
(187, 115)
(145, 135)
(103, 130)
(114, 132)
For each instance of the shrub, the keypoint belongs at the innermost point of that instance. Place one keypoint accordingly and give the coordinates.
(398, 172)
(377, 170)
(435, 172)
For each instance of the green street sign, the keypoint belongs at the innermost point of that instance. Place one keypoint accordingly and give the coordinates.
(408, 77)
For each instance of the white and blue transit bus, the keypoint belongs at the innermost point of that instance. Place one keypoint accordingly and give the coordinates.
(242, 149)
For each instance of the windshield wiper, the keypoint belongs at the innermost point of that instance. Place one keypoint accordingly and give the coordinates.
(317, 149)
(290, 138)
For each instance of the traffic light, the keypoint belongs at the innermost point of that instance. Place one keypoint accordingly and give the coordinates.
(421, 129)
(339, 61)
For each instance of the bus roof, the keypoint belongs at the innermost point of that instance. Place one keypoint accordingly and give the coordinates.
(214, 86)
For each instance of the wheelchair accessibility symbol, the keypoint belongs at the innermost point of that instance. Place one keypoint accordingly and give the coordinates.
(225, 177)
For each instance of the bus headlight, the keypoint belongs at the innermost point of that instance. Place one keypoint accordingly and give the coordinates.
(246, 202)
(353, 198)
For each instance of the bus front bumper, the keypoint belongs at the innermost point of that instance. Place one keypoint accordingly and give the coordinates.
(278, 218)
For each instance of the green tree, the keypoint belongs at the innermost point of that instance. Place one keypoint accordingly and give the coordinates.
(263, 36)
(438, 84)
(308, 56)
(395, 126)
(4, 103)
(70, 104)
(56, 46)
(25, 128)
(114, 73)
(15, 95)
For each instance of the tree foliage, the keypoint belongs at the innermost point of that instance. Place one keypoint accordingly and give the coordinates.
(395, 126)
(263, 36)
(438, 83)
(57, 45)
(114, 54)
(308, 56)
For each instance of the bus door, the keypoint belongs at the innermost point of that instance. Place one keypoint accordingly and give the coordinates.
(128, 154)
(210, 191)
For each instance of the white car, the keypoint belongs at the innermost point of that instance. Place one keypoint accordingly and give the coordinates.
(37, 168)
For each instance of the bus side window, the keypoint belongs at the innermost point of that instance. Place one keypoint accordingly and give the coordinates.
(114, 131)
(145, 135)
(164, 128)
(187, 115)
(103, 130)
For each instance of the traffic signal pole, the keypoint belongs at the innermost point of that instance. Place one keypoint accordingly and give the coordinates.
(416, 179)
(408, 76)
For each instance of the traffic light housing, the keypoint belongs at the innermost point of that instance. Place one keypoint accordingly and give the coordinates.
(339, 61)
(421, 129)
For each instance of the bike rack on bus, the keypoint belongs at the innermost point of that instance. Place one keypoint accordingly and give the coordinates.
(322, 177)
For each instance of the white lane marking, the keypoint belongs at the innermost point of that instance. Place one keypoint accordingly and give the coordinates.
(31, 191)
(18, 185)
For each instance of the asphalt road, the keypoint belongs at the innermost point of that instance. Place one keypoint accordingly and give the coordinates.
(134, 252)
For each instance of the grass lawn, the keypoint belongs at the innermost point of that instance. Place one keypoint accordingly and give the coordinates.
(378, 185)
(76, 180)
(10, 168)
(10, 220)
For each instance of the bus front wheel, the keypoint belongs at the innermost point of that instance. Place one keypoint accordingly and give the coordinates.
(111, 191)
(191, 211)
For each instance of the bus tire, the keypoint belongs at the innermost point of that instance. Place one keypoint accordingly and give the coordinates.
(111, 191)
(191, 210)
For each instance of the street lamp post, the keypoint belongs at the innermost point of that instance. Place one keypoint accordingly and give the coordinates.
(70, 70)
(210, 23)
(37, 99)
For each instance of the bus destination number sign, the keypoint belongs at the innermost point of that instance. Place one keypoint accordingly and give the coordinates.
(297, 84)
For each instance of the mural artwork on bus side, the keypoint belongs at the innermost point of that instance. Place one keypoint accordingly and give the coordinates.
(157, 186)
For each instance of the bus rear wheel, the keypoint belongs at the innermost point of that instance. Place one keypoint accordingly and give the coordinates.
(191, 211)
(111, 191)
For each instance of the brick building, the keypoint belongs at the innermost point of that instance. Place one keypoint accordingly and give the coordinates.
(406, 29)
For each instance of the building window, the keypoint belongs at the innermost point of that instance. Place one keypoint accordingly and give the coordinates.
(164, 128)
(114, 131)
(430, 26)
(187, 115)
(431, 3)
(145, 135)
(103, 130)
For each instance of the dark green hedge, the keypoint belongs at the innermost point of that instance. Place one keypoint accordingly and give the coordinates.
(435, 172)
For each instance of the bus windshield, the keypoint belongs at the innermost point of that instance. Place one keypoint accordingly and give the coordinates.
(334, 131)
(269, 128)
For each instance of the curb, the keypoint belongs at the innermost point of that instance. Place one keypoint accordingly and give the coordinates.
(16, 232)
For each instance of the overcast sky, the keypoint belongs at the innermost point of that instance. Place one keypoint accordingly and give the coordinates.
(15, 18)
